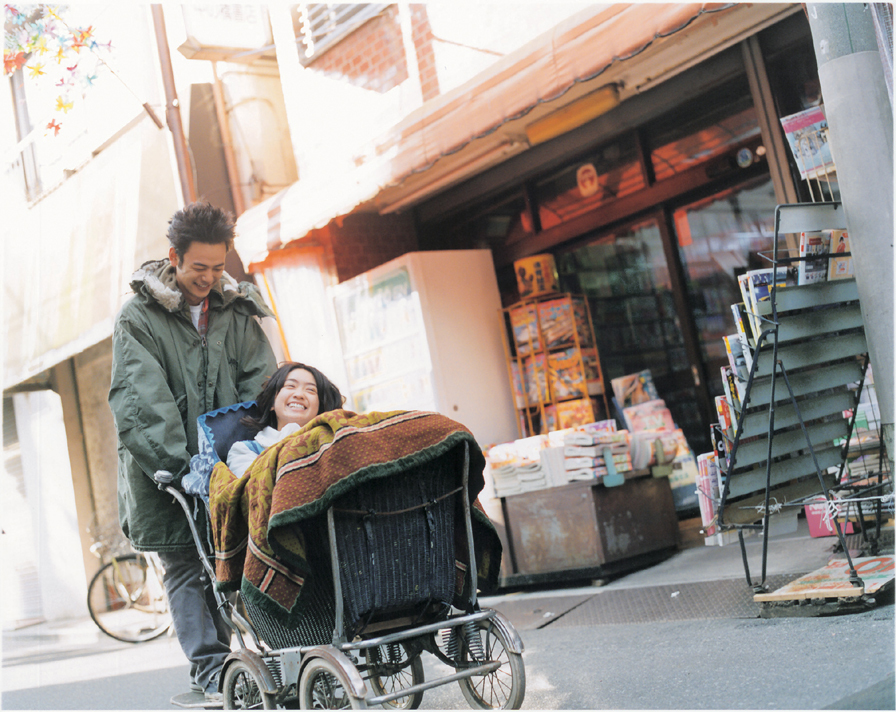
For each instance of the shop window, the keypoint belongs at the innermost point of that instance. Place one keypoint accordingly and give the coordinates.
(700, 131)
(319, 26)
(611, 172)
(720, 238)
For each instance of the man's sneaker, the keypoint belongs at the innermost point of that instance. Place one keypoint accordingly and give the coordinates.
(211, 690)
(195, 686)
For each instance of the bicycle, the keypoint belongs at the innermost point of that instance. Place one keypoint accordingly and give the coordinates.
(126, 598)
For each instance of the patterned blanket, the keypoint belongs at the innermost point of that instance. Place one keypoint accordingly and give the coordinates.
(258, 547)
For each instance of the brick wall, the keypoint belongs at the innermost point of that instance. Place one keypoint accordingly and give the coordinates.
(372, 57)
(426, 58)
(366, 240)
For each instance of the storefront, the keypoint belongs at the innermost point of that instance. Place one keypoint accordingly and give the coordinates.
(652, 210)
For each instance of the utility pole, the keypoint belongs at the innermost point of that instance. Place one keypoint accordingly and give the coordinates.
(172, 109)
(860, 127)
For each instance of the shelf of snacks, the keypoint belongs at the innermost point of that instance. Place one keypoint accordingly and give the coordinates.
(553, 363)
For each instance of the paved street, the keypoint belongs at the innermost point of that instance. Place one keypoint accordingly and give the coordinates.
(727, 663)
(684, 634)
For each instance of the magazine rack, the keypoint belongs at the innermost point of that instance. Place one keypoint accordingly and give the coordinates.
(553, 363)
(811, 349)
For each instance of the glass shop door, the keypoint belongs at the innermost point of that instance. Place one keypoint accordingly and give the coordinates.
(625, 275)
(718, 239)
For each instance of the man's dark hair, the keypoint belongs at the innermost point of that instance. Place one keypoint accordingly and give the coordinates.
(199, 222)
(328, 395)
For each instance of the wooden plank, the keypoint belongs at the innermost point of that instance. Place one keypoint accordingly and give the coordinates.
(821, 435)
(832, 581)
(756, 422)
(806, 382)
(754, 481)
(813, 295)
(743, 511)
(821, 321)
(813, 353)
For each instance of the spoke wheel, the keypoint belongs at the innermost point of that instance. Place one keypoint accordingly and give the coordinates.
(505, 687)
(324, 687)
(389, 671)
(127, 601)
(243, 690)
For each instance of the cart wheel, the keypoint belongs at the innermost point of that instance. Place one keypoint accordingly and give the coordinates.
(242, 690)
(390, 671)
(505, 687)
(323, 687)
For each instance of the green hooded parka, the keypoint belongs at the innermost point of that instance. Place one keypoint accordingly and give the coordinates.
(164, 376)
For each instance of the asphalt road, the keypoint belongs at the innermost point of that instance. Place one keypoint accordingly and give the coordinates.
(839, 662)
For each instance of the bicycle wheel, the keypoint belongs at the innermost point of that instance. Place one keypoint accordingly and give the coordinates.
(389, 671)
(127, 600)
(503, 688)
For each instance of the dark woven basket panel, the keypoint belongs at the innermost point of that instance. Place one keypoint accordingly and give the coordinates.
(316, 606)
(315, 627)
(392, 563)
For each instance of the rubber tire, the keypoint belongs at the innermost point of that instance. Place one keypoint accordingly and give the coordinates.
(411, 702)
(314, 674)
(158, 623)
(488, 691)
(242, 689)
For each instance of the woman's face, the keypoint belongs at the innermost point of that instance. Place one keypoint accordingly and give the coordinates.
(297, 401)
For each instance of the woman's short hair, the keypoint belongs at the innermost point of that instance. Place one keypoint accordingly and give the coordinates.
(327, 394)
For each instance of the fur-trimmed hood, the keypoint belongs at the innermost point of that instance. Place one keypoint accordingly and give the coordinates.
(157, 280)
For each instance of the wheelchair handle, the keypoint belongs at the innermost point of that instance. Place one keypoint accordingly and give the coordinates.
(163, 478)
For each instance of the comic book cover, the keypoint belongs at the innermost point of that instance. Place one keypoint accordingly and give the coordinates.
(634, 388)
(555, 317)
(574, 412)
(652, 415)
(535, 376)
(525, 330)
(567, 374)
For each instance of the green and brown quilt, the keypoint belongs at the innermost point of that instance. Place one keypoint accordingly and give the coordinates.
(260, 545)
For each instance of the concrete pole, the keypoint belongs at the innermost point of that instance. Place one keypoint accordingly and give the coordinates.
(860, 124)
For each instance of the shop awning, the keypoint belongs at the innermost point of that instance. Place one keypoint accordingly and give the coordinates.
(469, 129)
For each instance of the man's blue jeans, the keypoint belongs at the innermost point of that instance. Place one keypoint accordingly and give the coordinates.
(201, 631)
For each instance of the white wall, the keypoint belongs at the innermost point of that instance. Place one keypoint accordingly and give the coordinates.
(50, 496)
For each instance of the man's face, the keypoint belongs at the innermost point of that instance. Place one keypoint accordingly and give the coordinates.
(200, 270)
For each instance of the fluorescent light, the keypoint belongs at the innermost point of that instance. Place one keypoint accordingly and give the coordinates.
(486, 159)
(573, 115)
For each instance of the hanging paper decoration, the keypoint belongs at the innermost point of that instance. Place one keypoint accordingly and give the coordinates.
(48, 48)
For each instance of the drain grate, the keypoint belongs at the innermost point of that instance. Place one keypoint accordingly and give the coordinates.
(688, 601)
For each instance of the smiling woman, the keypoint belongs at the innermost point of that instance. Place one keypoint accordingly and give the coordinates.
(291, 398)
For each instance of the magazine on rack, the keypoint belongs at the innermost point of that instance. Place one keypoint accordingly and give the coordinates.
(567, 374)
(807, 136)
(634, 388)
(840, 266)
(756, 288)
(525, 329)
(813, 243)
